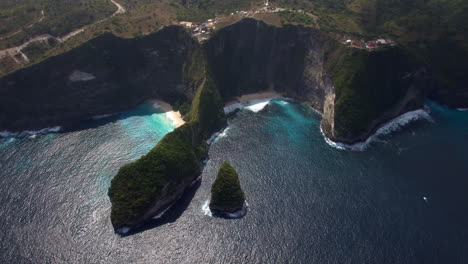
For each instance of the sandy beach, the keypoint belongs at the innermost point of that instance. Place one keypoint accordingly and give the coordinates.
(174, 116)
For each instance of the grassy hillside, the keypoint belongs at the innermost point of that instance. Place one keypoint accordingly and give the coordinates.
(200, 10)
(60, 17)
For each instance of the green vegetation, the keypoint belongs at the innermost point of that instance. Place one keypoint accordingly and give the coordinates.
(174, 159)
(138, 184)
(367, 84)
(226, 192)
(289, 17)
(60, 17)
(35, 51)
(201, 10)
(435, 31)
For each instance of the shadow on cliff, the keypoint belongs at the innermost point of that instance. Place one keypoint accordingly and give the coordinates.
(172, 214)
(145, 109)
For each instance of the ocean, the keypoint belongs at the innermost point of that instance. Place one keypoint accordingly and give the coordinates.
(401, 198)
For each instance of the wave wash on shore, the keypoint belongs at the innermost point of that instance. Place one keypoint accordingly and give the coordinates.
(388, 128)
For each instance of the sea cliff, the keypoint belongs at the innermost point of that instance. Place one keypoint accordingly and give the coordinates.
(356, 90)
(110, 74)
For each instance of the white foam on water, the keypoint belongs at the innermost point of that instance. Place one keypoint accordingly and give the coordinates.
(163, 212)
(255, 105)
(206, 208)
(207, 211)
(463, 109)
(212, 138)
(101, 116)
(393, 125)
(233, 107)
(123, 230)
(217, 136)
(239, 213)
(157, 106)
(30, 133)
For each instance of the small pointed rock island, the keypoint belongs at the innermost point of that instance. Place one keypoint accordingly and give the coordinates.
(227, 196)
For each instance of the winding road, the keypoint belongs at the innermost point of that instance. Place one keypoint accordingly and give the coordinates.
(28, 26)
(14, 51)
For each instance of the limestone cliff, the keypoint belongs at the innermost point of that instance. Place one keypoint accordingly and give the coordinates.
(251, 56)
(356, 90)
(106, 75)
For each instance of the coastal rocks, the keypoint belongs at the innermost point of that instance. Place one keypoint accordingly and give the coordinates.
(170, 194)
(227, 196)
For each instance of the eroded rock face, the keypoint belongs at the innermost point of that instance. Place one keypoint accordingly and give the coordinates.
(251, 56)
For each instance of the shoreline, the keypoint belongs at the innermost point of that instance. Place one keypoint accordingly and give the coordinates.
(254, 96)
(174, 116)
(254, 101)
(387, 128)
(235, 215)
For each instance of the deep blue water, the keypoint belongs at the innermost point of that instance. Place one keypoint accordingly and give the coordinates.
(308, 202)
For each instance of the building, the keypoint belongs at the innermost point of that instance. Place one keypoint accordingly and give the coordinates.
(382, 42)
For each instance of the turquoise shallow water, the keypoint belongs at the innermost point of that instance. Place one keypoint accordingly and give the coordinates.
(308, 202)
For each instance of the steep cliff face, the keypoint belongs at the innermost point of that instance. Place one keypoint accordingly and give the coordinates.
(370, 89)
(107, 74)
(356, 90)
(251, 56)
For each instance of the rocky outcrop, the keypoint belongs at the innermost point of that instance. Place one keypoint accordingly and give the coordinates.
(227, 196)
(170, 193)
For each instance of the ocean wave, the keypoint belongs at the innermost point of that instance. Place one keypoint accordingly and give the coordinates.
(393, 125)
(206, 208)
(255, 105)
(158, 216)
(217, 136)
(207, 211)
(31, 133)
(101, 116)
(463, 109)
(157, 106)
